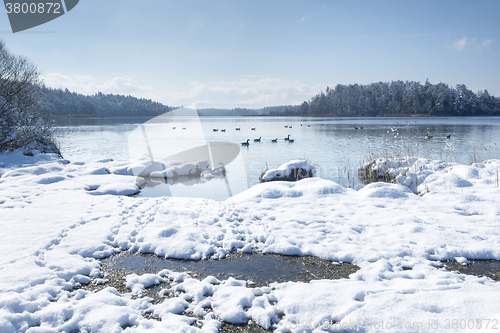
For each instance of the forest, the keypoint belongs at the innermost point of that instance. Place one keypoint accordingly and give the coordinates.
(65, 103)
(381, 99)
(397, 98)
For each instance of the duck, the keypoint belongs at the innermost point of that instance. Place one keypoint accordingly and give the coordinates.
(286, 126)
(223, 130)
(257, 140)
(253, 128)
(215, 129)
(291, 140)
(247, 143)
(173, 127)
(448, 136)
(184, 128)
(290, 126)
(428, 136)
(237, 128)
(287, 138)
(274, 140)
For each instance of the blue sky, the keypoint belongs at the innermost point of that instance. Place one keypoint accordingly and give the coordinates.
(260, 53)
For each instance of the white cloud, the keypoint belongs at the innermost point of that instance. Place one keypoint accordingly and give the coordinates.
(250, 92)
(466, 42)
(461, 44)
(485, 44)
(89, 85)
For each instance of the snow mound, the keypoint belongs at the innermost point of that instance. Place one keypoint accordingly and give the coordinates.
(385, 190)
(420, 175)
(138, 283)
(277, 190)
(48, 179)
(115, 189)
(290, 171)
(183, 169)
(144, 167)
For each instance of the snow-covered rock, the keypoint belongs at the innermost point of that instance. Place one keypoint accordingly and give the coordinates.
(291, 171)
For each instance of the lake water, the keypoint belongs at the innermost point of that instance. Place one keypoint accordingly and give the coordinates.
(336, 146)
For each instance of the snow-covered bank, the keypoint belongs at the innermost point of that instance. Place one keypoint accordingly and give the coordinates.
(412, 172)
(54, 228)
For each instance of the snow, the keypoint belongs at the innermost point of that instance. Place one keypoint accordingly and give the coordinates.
(55, 227)
(138, 283)
(143, 166)
(286, 169)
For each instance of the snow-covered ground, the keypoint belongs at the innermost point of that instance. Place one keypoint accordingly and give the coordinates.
(57, 218)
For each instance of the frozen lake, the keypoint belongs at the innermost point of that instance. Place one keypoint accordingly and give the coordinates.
(336, 146)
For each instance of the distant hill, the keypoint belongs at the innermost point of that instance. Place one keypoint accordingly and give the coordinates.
(65, 103)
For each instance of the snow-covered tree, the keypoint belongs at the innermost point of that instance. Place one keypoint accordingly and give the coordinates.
(22, 123)
(401, 98)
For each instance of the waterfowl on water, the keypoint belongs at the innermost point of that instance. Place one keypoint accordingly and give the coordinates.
(223, 130)
(274, 140)
(428, 136)
(257, 140)
(237, 128)
(253, 128)
(215, 129)
(291, 140)
(287, 138)
(448, 136)
(246, 143)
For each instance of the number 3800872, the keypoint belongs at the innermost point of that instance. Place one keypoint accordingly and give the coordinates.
(33, 8)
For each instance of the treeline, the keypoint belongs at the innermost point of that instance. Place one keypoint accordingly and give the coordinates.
(396, 98)
(65, 103)
(399, 98)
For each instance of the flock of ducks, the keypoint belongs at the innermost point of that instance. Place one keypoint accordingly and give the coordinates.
(247, 143)
(428, 136)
